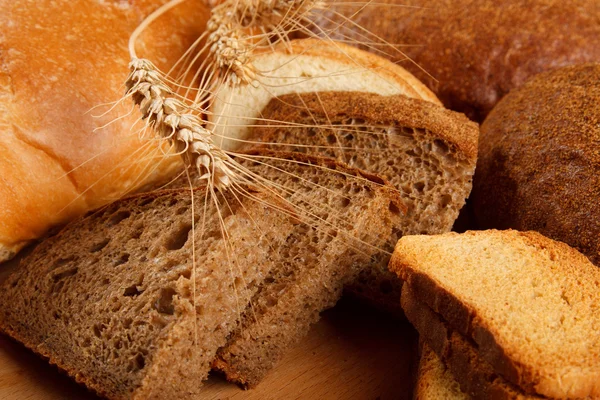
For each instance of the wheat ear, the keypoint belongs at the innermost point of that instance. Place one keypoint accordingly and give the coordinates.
(173, 121)
(230, 43)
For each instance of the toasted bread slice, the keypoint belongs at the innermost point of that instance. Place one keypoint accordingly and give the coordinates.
(457, 357)
(307, 65)
(531, 305)
(434, 379)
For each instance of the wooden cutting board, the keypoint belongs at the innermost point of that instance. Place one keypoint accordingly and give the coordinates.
(352, 353)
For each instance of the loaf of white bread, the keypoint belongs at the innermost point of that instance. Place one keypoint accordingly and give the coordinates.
(512, 314)
(58, 60)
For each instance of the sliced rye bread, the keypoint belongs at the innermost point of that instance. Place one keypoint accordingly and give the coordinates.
(114, 301)
(530, 305)
(305, 65)
(427, 152)
(349, 218)
(434, 379)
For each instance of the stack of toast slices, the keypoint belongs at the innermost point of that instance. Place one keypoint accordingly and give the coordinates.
(509, 314)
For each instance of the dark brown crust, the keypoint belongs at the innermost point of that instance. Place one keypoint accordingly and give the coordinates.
(475, 376)
(398, 110)
(471, 53)
(539, 160)
(464, 320)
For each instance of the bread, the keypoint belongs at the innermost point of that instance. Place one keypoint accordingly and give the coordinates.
(471, 53)
(115, 301)
(458, 360)
(369, 131)
(58, 60)
(539, 165)
(350, 216)
(529, 304)
(307, 65)
(434, 380)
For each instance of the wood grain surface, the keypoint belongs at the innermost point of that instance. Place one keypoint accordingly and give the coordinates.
(352, 353)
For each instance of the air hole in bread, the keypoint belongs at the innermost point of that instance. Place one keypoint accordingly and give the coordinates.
(164, 302)
(99, 246)
(394, 210)
(57, 276)
(446, 200)
(145, 201)
(117, 217)
(122, 259)
(132, 291)
(179, 237)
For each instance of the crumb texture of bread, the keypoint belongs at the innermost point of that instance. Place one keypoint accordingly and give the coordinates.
(427, 152)
(307, 65)
(531, 304)
(115, 300)
(348, 217)
(473, 52)
(539, 160)
(434, 380)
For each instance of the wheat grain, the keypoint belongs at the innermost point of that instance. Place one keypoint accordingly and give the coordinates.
(173, 120)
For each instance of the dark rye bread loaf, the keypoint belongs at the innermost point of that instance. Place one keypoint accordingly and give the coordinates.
(427, 152)
(530, 305)
(539, 159)
(473, 52)
(349, 216)
(114, 301)
(450, 366)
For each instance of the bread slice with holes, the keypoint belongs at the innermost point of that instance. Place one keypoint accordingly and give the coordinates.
(427, 152)
(348, 219)
(306, 65)
(115, 300)
(530, 305)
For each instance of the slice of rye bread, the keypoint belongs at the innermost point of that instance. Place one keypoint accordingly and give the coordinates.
(530, 304)
(434, 379)
(427, 152)
(114, 301)
(453, 361)
(349, 218)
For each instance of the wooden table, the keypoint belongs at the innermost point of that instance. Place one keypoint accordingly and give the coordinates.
(352, 353)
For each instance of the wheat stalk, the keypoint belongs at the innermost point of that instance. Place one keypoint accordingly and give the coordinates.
(231, 41)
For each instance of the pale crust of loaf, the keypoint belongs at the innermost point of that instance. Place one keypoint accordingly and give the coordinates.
(307, 65)
(539, 165)
(573, 381)
(353, 57)
(58, 60)
(453, 359)
(474, 52)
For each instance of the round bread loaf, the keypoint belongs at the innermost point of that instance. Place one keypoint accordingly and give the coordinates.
(539, 159)
(472, 52)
